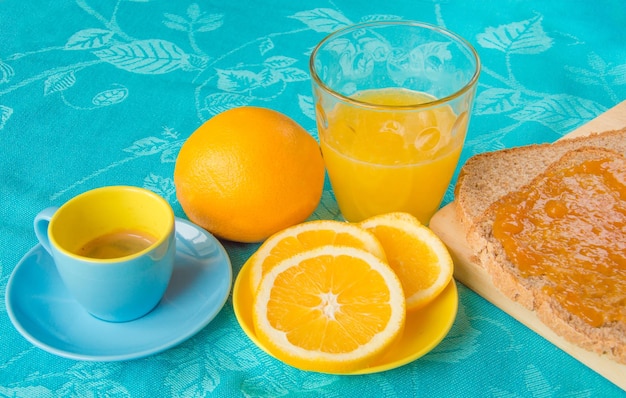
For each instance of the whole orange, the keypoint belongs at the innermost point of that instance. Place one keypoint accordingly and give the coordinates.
(249, 172)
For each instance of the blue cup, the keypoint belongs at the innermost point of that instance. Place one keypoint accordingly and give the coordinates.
(114, 249)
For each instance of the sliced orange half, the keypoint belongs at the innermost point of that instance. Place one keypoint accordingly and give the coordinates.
(416, 254)
(331, 309)
(309, 235)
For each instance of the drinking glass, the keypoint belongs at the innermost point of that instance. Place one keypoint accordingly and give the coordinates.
(392, 102)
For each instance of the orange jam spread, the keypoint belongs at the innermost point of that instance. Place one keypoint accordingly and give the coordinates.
(567, 234)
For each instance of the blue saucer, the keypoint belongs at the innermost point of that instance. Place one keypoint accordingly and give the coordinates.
(43, 311)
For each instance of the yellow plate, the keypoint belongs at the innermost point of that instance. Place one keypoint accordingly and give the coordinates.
(424, 328)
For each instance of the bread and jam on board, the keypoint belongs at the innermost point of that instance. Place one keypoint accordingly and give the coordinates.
(540, 232)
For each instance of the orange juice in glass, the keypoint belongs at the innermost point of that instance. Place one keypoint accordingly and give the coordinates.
(392, 104)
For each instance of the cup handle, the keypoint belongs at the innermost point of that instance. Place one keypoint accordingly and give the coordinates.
(41, 223)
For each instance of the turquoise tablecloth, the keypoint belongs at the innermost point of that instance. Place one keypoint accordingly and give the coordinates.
(97, 93)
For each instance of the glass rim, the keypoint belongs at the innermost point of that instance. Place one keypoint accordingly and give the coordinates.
(365, 104)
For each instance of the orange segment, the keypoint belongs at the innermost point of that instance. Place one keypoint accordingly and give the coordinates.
(331, 309)
(416, 254)
(306, 236)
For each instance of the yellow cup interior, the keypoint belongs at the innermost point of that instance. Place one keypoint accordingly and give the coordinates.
(107, 210)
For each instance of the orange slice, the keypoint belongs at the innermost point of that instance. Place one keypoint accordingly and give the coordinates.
(415, 253)
(331, 309)
(309, 235)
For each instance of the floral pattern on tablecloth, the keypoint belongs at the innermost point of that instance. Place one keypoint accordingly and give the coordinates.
(99, 93)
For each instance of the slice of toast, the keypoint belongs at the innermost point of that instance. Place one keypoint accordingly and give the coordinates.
(486, 177)
(536, 291)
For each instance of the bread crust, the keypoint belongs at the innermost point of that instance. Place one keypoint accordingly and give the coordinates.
(486, 177)
(608, 339)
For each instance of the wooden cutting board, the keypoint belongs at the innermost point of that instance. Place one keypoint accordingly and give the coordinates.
(445, 224)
